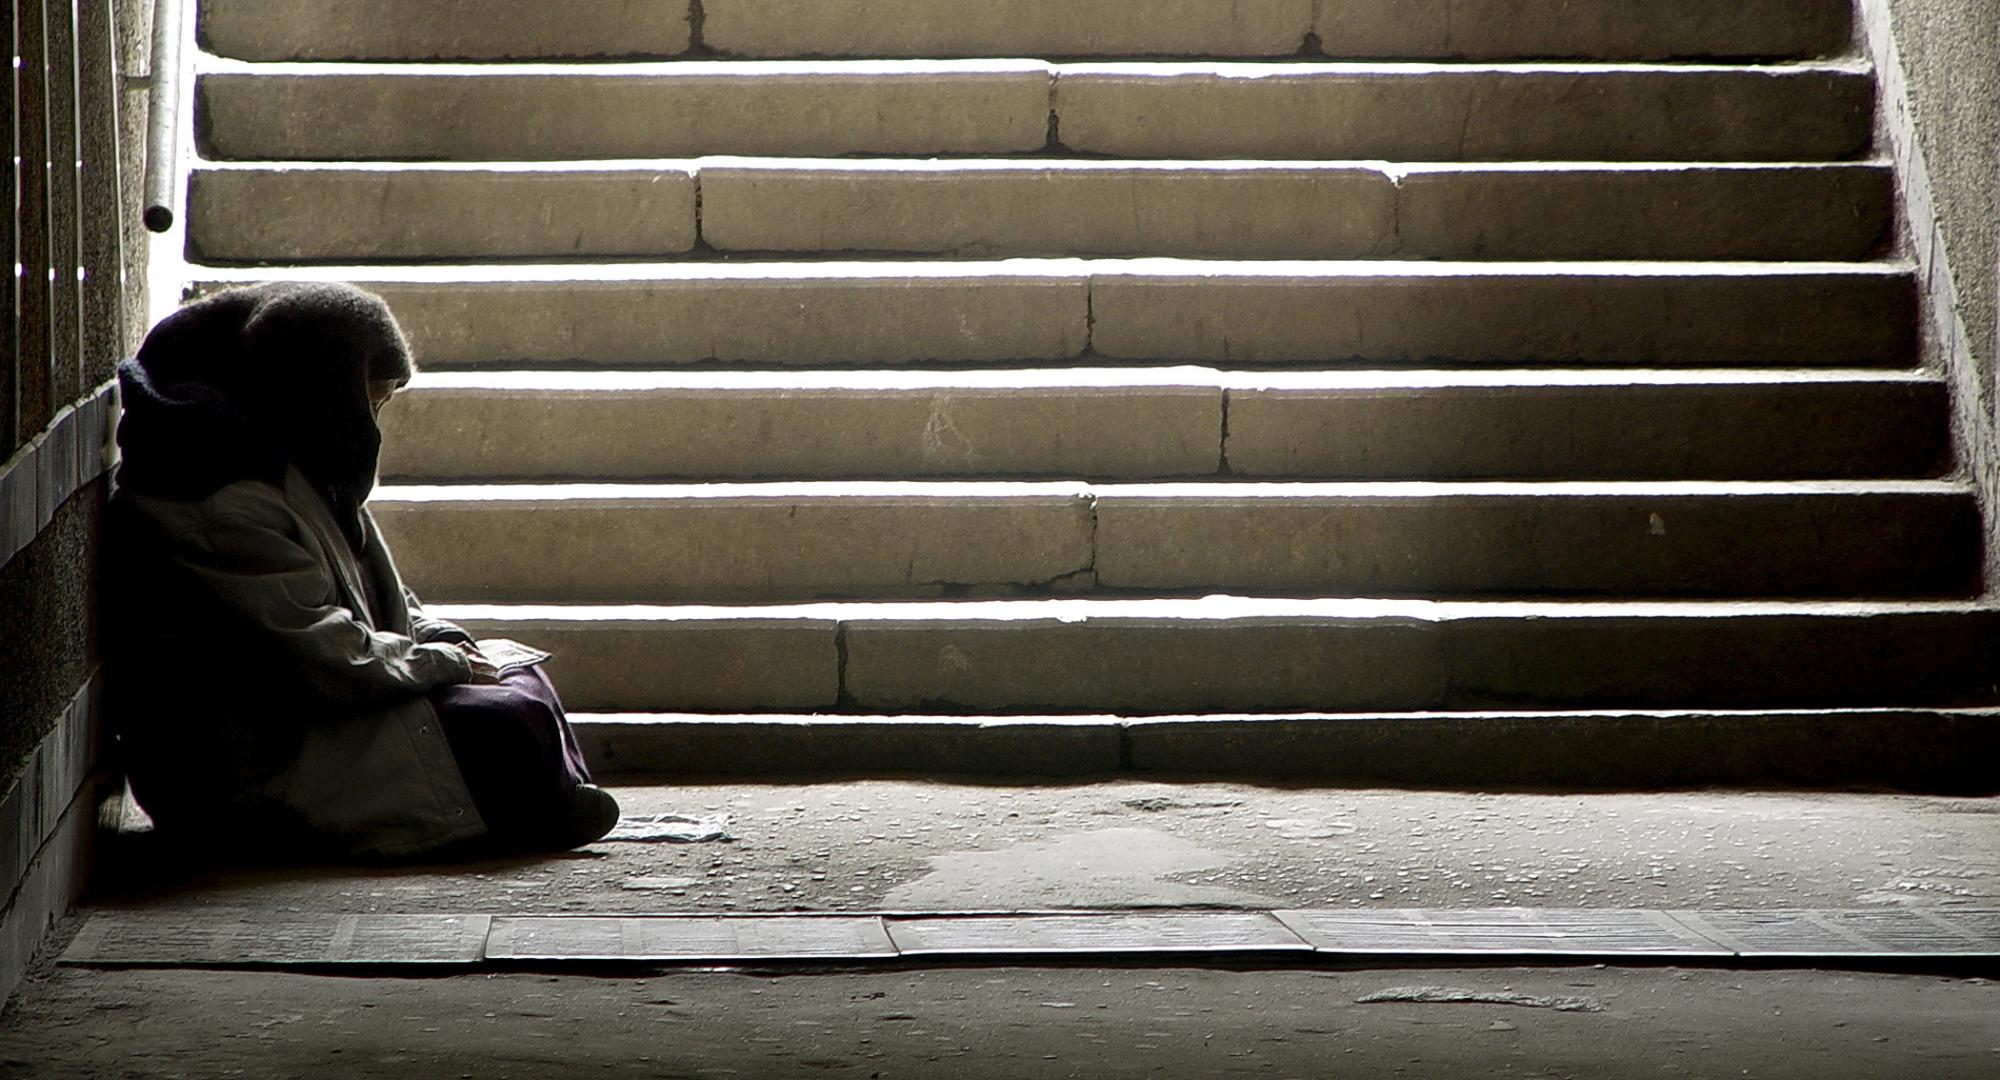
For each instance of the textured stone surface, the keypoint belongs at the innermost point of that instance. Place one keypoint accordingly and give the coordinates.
(1402, 315)
(1474, 114)
(1930, 751)
(1947, 52)
(1674, 212)
(366, 215)
(868, 28)
(1140, 665)
(817, 747)
(680, 111)
(1367, 655)
(798, 318)
(1587, 29)
(1074, 208)
(1854, 427)
(1474, 540)
(750, 433)
(620, 659)
(442, 29)
(775, 546)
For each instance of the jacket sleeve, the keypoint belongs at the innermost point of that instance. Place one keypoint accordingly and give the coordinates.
(251, 562)
(424, 628)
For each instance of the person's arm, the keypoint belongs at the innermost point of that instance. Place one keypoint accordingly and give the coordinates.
(250, 560)
(426, 629)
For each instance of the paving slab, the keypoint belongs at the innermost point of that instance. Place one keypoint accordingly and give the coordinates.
(1112, 935)
(1503, 932)
(687, 939)
(288, 939)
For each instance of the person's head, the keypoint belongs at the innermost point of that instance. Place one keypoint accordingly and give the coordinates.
(301, 367)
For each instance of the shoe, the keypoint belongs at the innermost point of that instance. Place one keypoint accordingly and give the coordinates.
(587, 815)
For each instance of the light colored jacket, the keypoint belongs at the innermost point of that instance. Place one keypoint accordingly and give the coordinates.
(331, 739)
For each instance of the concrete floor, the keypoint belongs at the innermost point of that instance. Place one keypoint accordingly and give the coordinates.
(1003, 1022)
(911, 844)
(872, 845)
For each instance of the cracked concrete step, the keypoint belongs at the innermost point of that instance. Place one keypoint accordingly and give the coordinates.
(1912, 749)
(1140, 423)
(294, 213)
(1023, 311)
(1411, 29)
(1395, 112)
(802, 541)
(1226, 654)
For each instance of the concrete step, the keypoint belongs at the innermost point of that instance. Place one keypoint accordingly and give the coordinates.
(532, 29)
(1394, 112)
(1024, 311)
(801, 541)
(444, 29)
(1466, 112)
(1227, 654)
(1146, 423)
(292, 213)
(1598, 29)
(1915, 749)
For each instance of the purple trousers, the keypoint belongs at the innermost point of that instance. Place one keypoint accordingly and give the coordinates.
(515, 749)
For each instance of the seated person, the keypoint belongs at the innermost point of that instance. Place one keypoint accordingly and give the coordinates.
(269, 677)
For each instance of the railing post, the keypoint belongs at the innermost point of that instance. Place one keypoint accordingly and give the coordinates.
(32, 353)
(162, 119)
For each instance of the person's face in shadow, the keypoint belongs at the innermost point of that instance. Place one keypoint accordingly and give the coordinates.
(379, 393)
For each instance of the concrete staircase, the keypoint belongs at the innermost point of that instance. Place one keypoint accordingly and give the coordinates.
(912, 385)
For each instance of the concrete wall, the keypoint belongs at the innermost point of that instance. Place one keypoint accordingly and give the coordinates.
(59, 405)
(1938, 63)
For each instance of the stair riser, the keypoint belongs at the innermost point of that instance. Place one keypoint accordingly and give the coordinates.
(326, 215)
(1801, 430)
(283, 30)
(1923, 751)
(376, 215)
(715, 434)
(1141, 666)
(1796, 319)
(1660, 115)
(1563, 114)
(490, 29)
(777, 548)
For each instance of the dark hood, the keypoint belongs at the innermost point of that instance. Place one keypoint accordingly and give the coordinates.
(244, 383)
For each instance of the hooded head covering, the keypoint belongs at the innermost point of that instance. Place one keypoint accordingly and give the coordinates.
(244, 383)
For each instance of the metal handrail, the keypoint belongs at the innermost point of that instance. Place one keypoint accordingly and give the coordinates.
(163, 116)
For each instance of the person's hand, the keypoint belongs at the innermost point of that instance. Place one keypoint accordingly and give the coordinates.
(483, 670)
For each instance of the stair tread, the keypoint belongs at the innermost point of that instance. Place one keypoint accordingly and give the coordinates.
(1063, 269)
(1142, 378)
(1210, 609)
(1244, 490)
